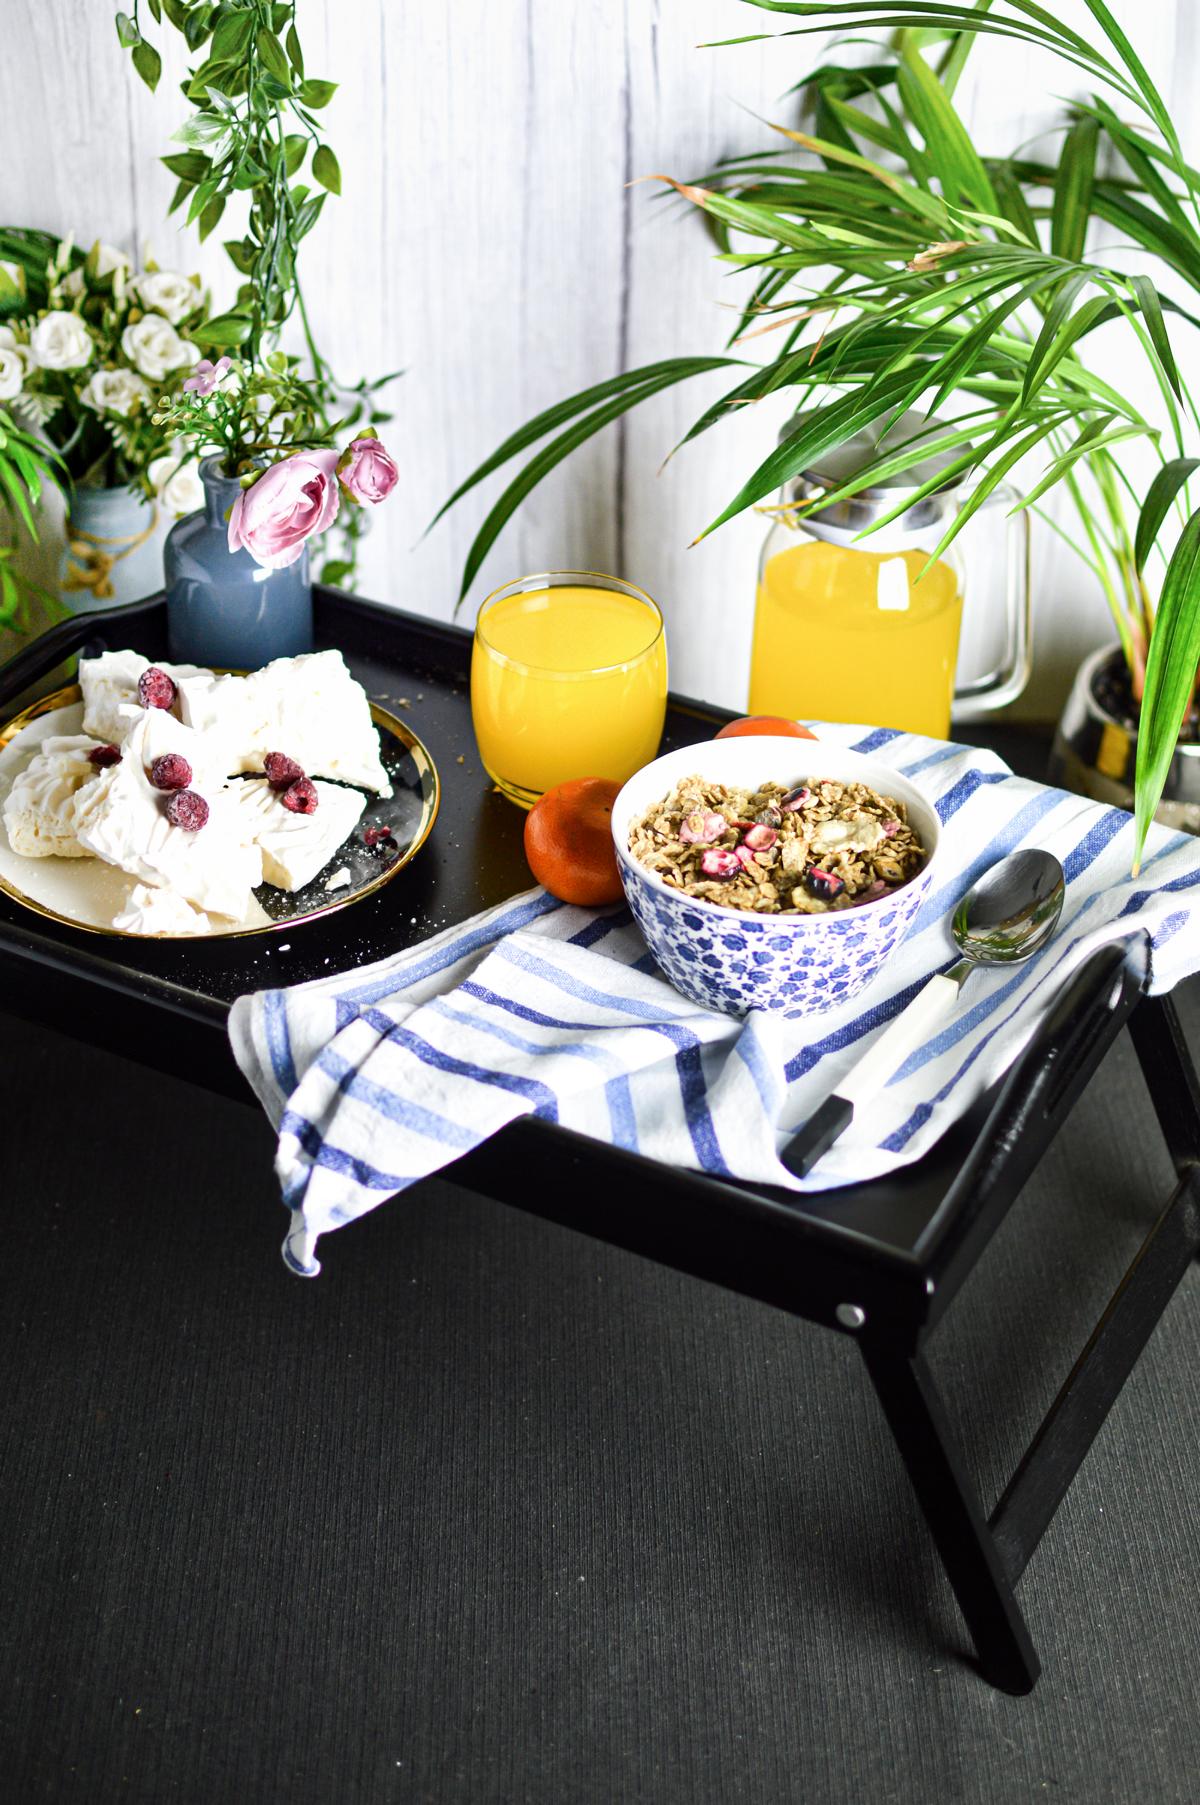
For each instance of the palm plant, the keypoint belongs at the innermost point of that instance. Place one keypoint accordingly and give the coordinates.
(896, 266)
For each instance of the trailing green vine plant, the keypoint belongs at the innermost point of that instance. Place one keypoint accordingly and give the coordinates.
(254, 134)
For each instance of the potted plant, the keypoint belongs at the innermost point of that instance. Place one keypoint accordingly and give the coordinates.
(897, 267)
(281, 442)
(90, 347)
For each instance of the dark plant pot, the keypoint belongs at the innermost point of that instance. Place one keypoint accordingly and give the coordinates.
(222, 607)
(1095, 753)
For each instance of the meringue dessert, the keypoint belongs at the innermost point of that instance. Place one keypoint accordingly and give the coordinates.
(201, 786)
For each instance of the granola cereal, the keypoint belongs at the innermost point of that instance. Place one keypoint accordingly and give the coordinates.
(819, 846)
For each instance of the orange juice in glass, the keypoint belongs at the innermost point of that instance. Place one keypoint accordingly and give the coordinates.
(568, 679)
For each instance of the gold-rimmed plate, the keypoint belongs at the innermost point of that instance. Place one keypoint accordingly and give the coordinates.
(87, 893)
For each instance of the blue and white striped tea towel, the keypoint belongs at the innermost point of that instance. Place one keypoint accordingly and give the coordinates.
(376, 1078)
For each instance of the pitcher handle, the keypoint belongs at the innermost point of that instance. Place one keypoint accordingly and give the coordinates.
(996, 688)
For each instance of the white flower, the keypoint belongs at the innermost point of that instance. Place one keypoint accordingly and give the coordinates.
(114, 392)
(177, 487)
(153, 346)
(105, 260)
(60, 341)
(12, 373)
(167, 292)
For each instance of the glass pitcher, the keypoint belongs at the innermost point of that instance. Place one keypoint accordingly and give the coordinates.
(848, 629)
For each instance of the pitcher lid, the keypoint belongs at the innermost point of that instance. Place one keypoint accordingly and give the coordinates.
(840, 463)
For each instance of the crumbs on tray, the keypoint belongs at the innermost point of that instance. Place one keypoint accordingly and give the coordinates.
(821, 845)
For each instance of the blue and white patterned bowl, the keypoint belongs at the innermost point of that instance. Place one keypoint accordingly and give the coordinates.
(731, 959)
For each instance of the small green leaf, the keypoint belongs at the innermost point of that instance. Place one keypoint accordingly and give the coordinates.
(295, 54)
(317, 93)
(155, 10)
(148, 63)
(225, 329)
(1170, 677)
(325, 169)
(127, 32)
(201, 128)
(295, 149)
(177, 13)
(232, 35)
(1159, 496)
(241, 254)
(200, 199)
(211, 216)
(249, 173)
(273, 58)
(308, 215)
(189, 165)
(196, 26)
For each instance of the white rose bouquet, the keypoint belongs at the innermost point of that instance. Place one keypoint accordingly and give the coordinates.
(90, 348)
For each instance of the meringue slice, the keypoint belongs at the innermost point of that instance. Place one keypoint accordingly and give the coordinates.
(312, 708)
(122, 819)
(39, 810)
(294, 848)
(110, 683)
(158, 911)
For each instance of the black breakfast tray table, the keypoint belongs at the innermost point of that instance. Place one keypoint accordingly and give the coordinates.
(879, 1262)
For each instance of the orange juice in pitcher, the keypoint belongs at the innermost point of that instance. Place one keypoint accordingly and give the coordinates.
(854, 625)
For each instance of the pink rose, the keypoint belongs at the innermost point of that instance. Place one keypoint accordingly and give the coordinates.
(367, 471)
(288, 504)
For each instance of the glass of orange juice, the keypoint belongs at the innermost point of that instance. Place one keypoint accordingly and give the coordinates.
(568, 679)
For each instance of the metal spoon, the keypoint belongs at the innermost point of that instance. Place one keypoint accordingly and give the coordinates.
(1008, 916)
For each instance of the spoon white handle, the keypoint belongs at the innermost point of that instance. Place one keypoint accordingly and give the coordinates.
(910, 1030)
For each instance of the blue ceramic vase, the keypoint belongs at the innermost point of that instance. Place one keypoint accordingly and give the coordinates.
(222, 607)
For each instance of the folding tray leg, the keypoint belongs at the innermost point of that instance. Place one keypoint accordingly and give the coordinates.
(1162, 1050)
(955, 1516)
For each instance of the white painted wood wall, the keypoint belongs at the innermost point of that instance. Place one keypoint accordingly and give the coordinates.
(489, 242)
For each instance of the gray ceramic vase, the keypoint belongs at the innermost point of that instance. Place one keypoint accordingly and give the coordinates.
(112, 552)
(222, 607)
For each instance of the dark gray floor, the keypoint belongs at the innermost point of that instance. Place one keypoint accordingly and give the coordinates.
(489, 1512)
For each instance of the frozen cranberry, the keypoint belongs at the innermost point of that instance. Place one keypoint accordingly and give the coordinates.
(377, 839)
(891, 828)
(795, 798)
(760, 839)
(281, 770)
(719, 863)
(171, 772)
(826, 886)
(301, 797)
(155, 688)
(103, 756)
(187, 810)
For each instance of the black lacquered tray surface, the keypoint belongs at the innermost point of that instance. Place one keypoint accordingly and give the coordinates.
(122, 994)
